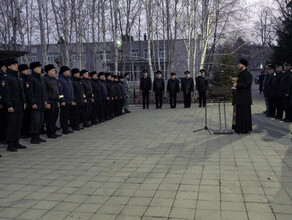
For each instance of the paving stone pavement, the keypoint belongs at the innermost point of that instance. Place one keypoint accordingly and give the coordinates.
(150, 165)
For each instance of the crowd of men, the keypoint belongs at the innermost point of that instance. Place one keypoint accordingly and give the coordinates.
(276, 84)
(32, 99)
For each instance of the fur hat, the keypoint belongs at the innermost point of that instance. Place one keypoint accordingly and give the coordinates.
(22, 67)
(74, 71)
(100, 74)
(243, 62)
(49, 67)
(34, 65)
(63, 69)
(83, 71)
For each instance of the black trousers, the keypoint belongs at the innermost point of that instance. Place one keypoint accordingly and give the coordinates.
(272, 106)
(86, 113)
(65, 117)
(158, 99)
(14, 124)
(202, 98)
(102, 110)
(94, 111)
(3, 123)
(172, 100)
(187, 100)
(145, 95)
(75, 116)
(285, 101)
(109, 108)
(25, 130)
(51, 116)
(279, 107)
(37, 121)
(122, 101)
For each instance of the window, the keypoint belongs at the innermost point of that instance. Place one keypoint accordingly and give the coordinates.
(51, 58)
(100, 55)
(74, 58)
(145, 53)
(135, 54)
(161, 54)
(108, 55)
(33, 58)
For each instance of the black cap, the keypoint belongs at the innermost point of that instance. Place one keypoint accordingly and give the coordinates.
(145, 71)
(202, 70)
(187, 72)
(243, 62)
(49, 67)
(100, 74)
(92, 73)
(107, 75)
(121, 76)
(172, 74)
(279, 65)
(127, 74)
(287, 63)
(2, 63)
(158, 72)
(271, 67)
(74, 71)
(34, 65)
(64, 69)
(83, 71)
(11, 61)
(116, 76)
(22, 67)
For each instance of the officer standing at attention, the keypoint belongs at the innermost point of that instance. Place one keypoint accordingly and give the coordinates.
(96, 95)
(172, 89)
(145, 88)
(187, 87)
(52, 112)
(13, 103)
(2, 110)
(128, 92)
(66, 98)
(24, 74)
(201, 87)
(103, 96)
(37, 100)
(79, 99)
(123, 93)
(158, 88)
(87, 86)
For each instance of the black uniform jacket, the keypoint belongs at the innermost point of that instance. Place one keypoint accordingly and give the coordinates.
(52, 89)
(173, 86)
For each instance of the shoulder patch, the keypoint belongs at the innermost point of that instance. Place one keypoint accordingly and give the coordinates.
(60, 84)
(27, 85)
(3, 83)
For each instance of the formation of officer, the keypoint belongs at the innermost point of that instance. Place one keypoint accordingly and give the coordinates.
(277, 87)
(33, 96)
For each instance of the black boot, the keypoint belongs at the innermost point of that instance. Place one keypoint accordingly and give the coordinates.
(19, 146)
(34, 139)
(11, 147)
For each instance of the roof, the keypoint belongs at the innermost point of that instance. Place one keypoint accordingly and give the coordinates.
(6, 54)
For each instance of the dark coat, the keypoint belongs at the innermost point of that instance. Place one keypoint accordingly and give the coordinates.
(103, 89)
(268, 82)
(145, 84)
(243, 88)
(276, 85)
(96, 91)
(87, 86)
(66, 93)
(123, 89)
(173, 86)
(52, 89)
(117, 90)
(110, 88)
(201, 84)
(38, 93)
(25, 83)
(187, 86)
(78, 90)
(12, 93)
(284, 82)
(158, 85)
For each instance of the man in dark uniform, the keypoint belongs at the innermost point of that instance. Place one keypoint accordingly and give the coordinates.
(261, 81)
(187, 87)
(66, 98)
(24, 74)
(2, 110)
(243, 99)
(128, 93)
(87, 86)
(158, 88)
(201, 87)
(117, 95)
(52, 112)
(79, 99)
(172, 89)
(285, 85)
(13, 103)
(110, 98)
(96, 96)
(103, 97)
(266, 90)
(37, 99)
(123, 93)
(145, 88)
(278, 95)
(271, 93)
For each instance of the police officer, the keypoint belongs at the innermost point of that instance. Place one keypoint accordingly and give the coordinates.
(103, 96)
(285, 85)
(117, 95)
(278, 95)
(52, 112)
(270, 92)
(24, 74)
(187, 87)
(110, 98)
(2, 110)
(158, 88)
(37, 99)
(145, 88)
(123, 93)
(66, 98)
(172, 89)
(13, 103)
(87, 86)
(79, 99)
(128, 92)
(97, 98)
(201, 87)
